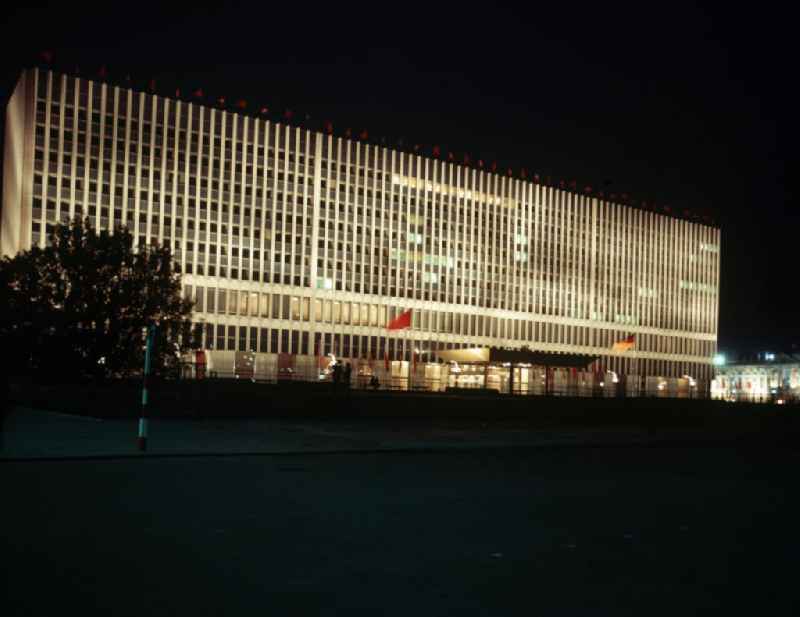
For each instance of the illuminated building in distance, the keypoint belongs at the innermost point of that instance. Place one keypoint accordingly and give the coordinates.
(296, 243)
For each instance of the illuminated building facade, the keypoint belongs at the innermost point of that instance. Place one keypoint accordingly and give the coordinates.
(300, 243)
(765, 377)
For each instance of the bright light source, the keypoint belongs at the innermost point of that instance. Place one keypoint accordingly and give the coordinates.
(769, 356)
(719, 359)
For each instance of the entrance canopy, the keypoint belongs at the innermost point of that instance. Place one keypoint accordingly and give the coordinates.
(492, 355)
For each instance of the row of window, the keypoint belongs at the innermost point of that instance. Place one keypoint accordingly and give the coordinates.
(298, 308)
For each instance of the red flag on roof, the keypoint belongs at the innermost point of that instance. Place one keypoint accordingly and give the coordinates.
(494, 165)
(264, 111)
(450, 156)
(466, 159)
(561, 184)
(287, 115)
(241, 104)
(508, 172)
(177, 93)
(436, 151)
(480, 163)
(401, 322)
(152, 85)
(364, 135)
(198, 94)
(329, 127)
(536, 178)
(587, 190)
(221, 101)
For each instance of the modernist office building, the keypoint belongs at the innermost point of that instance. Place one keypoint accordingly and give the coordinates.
(296, 242)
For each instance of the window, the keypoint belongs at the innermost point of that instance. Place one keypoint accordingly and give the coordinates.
(232, 302)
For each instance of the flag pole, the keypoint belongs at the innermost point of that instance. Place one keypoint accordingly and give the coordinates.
(410, 362)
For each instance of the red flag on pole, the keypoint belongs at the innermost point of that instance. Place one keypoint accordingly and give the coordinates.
(364, 135)
(198, 94)
(241, 104)
(401, 322)
(264, 111)
(436, 151)
(288, 114)
(494, 166)
(329, 127)
(221, 101)
(450, 156)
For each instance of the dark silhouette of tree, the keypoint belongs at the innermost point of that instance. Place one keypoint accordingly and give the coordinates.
(78, 307)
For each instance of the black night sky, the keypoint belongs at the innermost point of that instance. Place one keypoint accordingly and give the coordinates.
(681, 106)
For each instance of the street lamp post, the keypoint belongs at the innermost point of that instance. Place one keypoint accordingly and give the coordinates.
(142, 439)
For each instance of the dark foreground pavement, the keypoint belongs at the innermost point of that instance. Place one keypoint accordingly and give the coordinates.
(556, 531)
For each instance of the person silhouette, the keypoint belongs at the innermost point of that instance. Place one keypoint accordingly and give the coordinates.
(337, 375)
